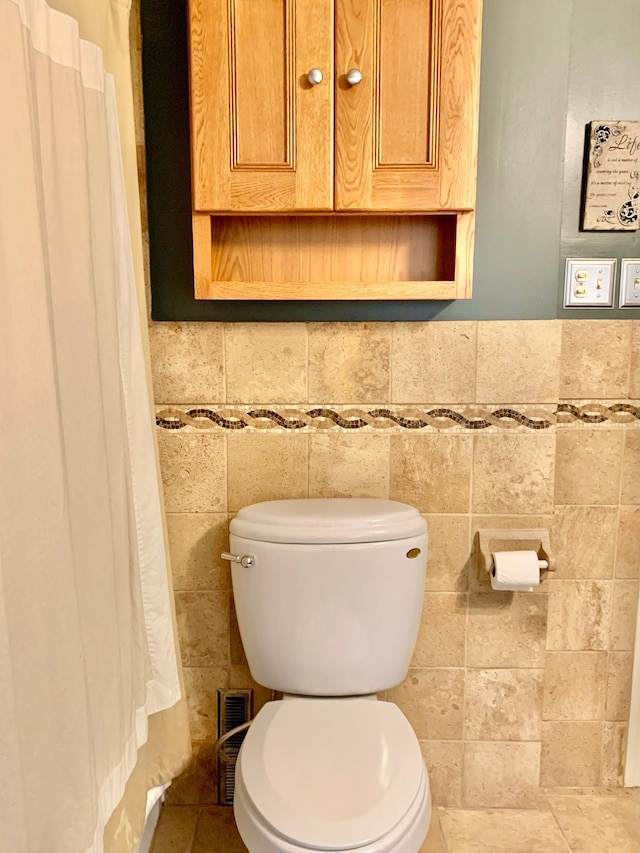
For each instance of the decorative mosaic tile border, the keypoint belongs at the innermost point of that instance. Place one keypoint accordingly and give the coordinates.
(393, 418)
(598, 413)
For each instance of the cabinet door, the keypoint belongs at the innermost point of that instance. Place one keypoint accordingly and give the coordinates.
(261, 133)
(406, 134)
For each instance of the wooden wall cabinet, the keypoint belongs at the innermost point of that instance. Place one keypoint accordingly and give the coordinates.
(358, 186)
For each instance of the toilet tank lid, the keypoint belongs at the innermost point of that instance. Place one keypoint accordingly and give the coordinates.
(328, 521)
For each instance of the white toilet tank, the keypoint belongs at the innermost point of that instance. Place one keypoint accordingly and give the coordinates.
(331, 605)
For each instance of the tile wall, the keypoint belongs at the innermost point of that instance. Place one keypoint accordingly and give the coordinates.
(487, 424)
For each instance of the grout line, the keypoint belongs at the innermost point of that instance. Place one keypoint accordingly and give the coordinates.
(388, 495)
(613, 594)
(629, 361)
(566, 840)
(224, 364)
(306, 361)
(226, 474)
(435, 809)
(471, 567)
(389, 449)
(195, 829)
(476, 331)
(390, 355)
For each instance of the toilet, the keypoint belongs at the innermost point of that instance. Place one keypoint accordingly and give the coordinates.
(328, 595)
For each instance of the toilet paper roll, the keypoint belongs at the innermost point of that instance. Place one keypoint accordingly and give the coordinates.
(516, 570)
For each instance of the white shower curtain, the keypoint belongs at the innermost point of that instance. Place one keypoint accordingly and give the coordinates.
(87, 651)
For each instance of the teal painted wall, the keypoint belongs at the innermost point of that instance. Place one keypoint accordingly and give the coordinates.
(523, 106)
(548, 68)
(604, 83)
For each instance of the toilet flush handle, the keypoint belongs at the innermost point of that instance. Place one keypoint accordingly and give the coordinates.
(245, 561)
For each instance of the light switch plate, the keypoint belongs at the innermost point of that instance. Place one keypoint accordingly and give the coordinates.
(589, 282)
(630, 283)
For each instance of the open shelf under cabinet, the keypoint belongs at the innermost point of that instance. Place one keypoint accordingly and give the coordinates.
(330, 257)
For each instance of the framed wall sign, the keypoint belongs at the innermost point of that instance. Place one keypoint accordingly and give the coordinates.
(612, 187)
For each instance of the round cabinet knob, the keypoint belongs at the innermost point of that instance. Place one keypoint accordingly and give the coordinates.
(314, 76)
(353, 76)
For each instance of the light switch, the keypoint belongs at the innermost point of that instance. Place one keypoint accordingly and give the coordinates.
(630, 283)
(589, 282)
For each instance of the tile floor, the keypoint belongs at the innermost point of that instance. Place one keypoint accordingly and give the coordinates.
(589, 820)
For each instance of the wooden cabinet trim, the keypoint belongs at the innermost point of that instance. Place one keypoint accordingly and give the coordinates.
(341, 291)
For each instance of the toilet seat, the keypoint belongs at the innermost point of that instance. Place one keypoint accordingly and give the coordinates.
(331, 774)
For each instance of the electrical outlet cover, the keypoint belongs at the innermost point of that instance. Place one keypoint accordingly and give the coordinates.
(630, 283)
(589, 282)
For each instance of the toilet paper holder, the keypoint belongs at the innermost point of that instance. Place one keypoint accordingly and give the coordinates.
(490, 541)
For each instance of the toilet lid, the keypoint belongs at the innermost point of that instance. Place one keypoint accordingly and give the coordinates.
(325, 521)
(331, 773)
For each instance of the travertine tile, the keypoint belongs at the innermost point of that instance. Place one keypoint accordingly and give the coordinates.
(507, 630)
(598, 823)
(501, 775)
(444, 763)
(266, 362)
(434, 842)
(570, 754)
(588, 464)
(201, 686)
(349, 466)
(628, 550)
(432, 700)
(193, 472)
(634, 366)
(434, 362)
(266, 468)
(479, 579)
(187, 362)
(584, 541)
(594, 791)
(619, 686)
(216, 831)
(196, 540)
(176, 829)
(448, 558)
(524, 485)
(503, 704)
(349, 362)
(579, 615)
(575, 686)
(199, 782)
(432, 472)
(623, 622)
(518, 361)
(501, 831)
(441, 641)
(203, 627)
(594, 359)
(614, 751)
(630, 487)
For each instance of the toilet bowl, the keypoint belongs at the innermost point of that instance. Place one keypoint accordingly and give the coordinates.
(331, 774)
(328, 594)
